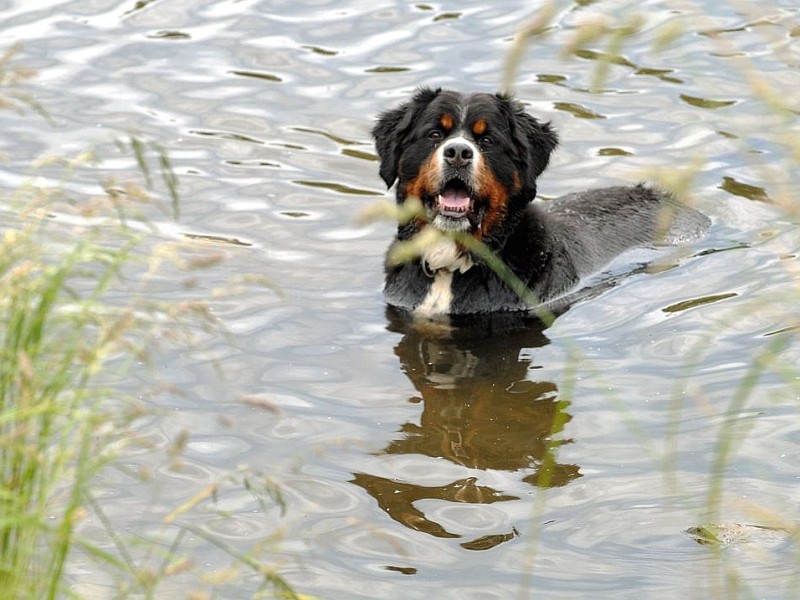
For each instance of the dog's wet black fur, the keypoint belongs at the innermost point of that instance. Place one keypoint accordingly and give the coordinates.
(473, 162)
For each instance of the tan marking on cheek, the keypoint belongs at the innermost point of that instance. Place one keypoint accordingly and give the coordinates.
(427, 180)
(479, 127)
(496, 197)
(446, 121)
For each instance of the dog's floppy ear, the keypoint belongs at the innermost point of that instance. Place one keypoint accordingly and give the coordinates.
(391, 129)
(534, 141)
(541, 141)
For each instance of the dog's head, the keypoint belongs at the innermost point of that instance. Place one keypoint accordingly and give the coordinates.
(472, 160)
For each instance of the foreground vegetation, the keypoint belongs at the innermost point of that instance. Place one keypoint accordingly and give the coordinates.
(74, 317)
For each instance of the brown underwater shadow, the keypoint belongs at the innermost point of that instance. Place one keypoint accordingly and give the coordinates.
(482, 408)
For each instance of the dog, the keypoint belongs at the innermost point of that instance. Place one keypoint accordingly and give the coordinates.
(472, 161)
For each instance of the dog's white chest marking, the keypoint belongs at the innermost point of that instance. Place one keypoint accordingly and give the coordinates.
(442, 259)
(439, 297)
(445, 254)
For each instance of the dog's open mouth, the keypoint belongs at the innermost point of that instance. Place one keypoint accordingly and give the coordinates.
(455, 200)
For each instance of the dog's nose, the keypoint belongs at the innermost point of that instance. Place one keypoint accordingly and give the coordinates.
(458, 154)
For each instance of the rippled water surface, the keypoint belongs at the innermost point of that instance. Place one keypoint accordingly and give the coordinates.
(563, 463)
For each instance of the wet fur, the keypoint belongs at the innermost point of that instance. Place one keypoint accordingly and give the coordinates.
(549, 245)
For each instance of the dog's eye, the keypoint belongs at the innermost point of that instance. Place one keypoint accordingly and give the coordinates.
(485, 142)
(435, 135)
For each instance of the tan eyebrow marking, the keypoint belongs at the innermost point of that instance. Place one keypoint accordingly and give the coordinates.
(479, 127)
(446, 121)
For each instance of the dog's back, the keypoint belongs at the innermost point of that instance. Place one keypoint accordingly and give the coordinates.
(597, 225)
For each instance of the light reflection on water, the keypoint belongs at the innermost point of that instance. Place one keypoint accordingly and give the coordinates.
(479, 466)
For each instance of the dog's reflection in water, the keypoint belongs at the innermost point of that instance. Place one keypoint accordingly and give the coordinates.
(483, 407)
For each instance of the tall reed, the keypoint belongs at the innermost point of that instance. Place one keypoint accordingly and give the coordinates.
(55, 434)
(63, 257)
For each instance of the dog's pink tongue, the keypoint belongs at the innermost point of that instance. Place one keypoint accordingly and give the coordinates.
(455, 200)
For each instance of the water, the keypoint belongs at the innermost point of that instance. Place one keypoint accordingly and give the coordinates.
(539, 463)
